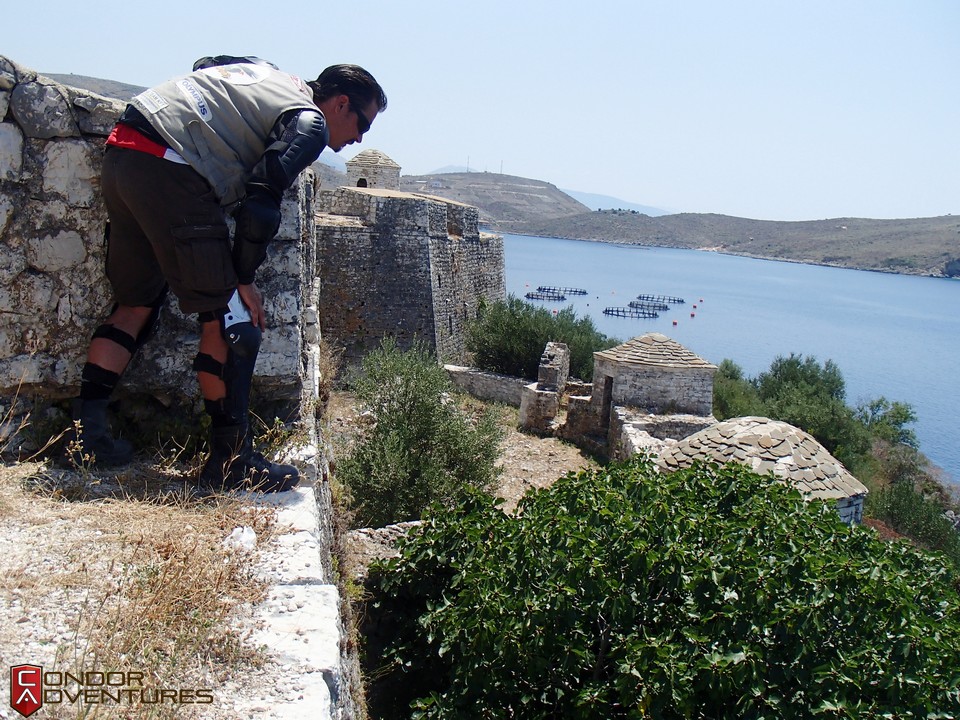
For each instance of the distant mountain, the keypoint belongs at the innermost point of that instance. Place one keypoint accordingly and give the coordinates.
(333, 160)
(913, 246)
(503, 200)
(447, 169)
(606, 202)
(107, 88)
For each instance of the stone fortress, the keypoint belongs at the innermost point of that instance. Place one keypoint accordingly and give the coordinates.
(353, 264)
(402, 265)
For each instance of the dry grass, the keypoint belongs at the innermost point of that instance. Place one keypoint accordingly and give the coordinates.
(135, 572)
(127, 570)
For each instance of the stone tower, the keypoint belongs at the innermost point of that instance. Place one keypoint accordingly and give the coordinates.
(373, 169)
(402, 265)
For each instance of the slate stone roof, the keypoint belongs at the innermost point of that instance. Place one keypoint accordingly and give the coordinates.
(372, 158)
(655, 349)
(768, 446)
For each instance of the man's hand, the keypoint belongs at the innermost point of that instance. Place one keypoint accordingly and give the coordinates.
(250, 294)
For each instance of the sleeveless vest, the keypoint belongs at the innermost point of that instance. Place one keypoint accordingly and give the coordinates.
(219, 119)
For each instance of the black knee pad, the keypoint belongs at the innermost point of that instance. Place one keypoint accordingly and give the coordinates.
(115, 335)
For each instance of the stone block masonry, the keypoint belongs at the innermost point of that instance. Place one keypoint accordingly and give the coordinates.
(488, 386)
(403, 265)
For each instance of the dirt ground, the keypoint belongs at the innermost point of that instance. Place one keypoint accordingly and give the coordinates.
(526, 462)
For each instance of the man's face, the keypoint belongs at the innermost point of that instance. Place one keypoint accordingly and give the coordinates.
(346, 123)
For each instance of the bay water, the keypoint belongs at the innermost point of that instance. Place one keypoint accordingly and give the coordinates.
(896, 336)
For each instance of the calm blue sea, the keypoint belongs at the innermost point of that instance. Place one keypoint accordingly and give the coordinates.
(892, 335)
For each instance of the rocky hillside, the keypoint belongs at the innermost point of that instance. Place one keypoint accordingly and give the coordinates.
(505, 201)
(920, 246)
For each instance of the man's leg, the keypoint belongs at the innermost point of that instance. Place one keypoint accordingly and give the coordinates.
(113, 345)
(225, 375)
(139, 289)
(212, 343)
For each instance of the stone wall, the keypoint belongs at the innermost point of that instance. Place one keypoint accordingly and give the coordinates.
(53, 292)
(404, 266)
(658, 389)
(488, 386)
(632, 431)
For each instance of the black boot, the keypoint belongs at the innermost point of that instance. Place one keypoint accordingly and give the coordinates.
(89, 442)
(233, 465)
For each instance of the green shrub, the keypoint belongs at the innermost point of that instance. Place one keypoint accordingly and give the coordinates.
(509, 338)
(733, 394)
(802, 392)
(624, 593)
(911, 502)
(420, 448)
(910, 513)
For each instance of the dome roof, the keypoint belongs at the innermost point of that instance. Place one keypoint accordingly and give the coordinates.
(372, 158)
(768, 446)
(655, 349)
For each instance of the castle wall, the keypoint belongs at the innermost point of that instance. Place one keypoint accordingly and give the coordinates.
(374, 271)
(467, 267)
(53, 291)
(403, 266)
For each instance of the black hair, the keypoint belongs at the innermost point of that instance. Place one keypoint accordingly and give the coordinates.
(352, 81)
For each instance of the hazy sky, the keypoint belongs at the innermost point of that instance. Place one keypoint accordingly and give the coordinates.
(758, 108)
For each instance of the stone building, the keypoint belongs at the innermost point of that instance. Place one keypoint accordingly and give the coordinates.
(769, 446)
(653, 372)
(402, 265)
(648, 376)
(373, 169)
(651, 395)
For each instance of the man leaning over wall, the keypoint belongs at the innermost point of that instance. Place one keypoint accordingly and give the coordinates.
(52, 285)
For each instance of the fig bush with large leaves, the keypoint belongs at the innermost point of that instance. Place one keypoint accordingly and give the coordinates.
(626, 593)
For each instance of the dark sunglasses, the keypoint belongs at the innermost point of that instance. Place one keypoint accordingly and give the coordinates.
(363, 125)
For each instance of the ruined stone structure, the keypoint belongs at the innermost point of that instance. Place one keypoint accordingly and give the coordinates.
(540, 402)
(373, 169)
(651, 395)
(402, 265)
(653, 375)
